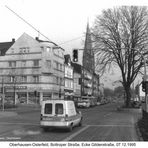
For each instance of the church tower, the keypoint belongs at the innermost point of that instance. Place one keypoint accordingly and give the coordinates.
(88, 54)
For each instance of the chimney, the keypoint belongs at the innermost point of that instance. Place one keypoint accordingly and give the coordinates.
(13, 40)
(37, 38)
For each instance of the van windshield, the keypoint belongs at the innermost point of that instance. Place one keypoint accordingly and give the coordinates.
(59, 109)
(48, 108)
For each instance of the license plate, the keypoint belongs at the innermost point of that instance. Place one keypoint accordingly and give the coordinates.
(48, 119)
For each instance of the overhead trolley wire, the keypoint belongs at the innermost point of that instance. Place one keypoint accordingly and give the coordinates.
(27, 22)
(38, 30)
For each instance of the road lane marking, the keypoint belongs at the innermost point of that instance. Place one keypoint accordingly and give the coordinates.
(75, 134)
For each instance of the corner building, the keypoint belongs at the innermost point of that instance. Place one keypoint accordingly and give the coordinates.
(33, 70)
(69, 78)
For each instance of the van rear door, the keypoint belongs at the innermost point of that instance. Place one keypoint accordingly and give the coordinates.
(48, 109)
(53, 111)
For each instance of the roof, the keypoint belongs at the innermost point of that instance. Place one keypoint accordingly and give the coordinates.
(4, 46)
(39, 40)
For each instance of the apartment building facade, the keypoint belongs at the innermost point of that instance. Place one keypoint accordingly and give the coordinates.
(69, 85)
(77, 80)
(33, 69)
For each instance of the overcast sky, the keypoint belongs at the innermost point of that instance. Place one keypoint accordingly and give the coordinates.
(62, 21)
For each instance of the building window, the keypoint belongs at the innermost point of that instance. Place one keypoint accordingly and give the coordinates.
(61, 67)
(57, 80)
(35, 79)
(48, 63)
(24, 79)
(56, 64)
(36, 63)
(61, 81)
(23, 63)
(24, 49)
(12, 63)
(12, 79)
(42, 48)
(12, 50)
(48, 49)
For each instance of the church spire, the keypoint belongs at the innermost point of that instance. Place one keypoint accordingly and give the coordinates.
(88, 45)
(88, 55)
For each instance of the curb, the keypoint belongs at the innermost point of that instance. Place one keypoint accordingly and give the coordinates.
(138, 132)
(119, 108)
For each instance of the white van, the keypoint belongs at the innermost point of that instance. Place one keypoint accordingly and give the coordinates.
(59, 113)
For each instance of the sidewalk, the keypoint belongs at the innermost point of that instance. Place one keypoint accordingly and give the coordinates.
(20, 109)
(137, 112)
(27, 108)
(7, 114)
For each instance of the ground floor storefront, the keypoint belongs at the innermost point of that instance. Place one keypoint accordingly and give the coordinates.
(31, 95)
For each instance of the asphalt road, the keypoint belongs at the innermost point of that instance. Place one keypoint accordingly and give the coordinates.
(100, 123)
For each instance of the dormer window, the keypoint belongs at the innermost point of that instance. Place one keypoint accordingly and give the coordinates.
(24, 49)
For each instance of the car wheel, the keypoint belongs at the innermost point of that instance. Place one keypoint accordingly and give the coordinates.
(80, 123)
(70, 128)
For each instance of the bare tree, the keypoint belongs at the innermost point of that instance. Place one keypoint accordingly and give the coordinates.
(121, 39)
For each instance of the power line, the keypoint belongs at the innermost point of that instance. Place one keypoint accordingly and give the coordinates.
(71, 40)
(39, 33)
(27, 22)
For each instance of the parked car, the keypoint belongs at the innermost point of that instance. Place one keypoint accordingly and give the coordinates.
(136, 104)
(84, 103)
(98, 103)
(60, 114)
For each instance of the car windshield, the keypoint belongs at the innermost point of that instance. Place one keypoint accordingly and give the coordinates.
(48, 108)
(58, 109)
